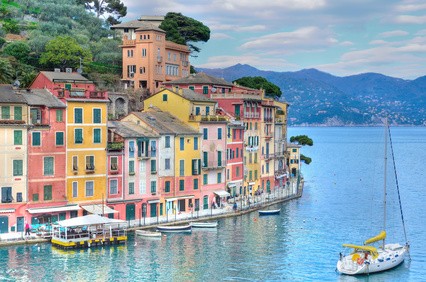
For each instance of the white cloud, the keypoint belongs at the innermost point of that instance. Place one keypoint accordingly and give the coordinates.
(346, 43)
(393, 33)
(411, 7)
(232, 5)
(407, 19)
(220, 36)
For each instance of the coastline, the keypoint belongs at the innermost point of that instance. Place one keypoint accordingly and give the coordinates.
(17, 238)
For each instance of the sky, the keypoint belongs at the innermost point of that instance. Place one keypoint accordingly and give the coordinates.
(341, 37)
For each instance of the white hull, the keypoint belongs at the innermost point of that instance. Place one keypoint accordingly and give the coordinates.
(144, 233)
(392, 256)
(204, 224)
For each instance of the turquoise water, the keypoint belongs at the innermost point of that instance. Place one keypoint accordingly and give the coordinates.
(341, 204)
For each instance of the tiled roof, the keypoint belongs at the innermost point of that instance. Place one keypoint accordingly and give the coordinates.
(138, 25)
(73, 76)
(200, 78)
(165, 123)
(129, 129)
(42, 97)
(9, 95)
(193, 96)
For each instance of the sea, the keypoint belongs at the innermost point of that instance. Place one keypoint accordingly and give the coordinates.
(342, 202)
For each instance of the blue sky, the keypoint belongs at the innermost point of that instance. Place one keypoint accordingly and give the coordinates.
(342, 37)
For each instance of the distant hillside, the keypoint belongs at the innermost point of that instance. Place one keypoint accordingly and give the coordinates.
(319, 98)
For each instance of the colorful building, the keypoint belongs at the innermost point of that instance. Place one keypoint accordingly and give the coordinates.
(13, 159)
(86, 135)
(148, 58)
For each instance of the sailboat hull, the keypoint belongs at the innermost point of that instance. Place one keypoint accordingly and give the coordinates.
(392, 256)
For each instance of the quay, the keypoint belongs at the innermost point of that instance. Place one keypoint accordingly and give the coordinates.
(292, 191)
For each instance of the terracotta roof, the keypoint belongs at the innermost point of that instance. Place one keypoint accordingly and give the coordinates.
(200, 78)
(10, 95)
(138, 25)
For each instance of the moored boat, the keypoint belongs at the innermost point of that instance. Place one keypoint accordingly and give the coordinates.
(146, 233)
(269, 212)
(204, 224)
(174, 228)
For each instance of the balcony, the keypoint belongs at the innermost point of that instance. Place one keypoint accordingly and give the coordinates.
(129, 42)
(97, 94)
(268, 119)
(252, 148)
(279, 155)
(115, 146)
(159, 59)
(90, 168)
(251, 115)
(206, 118)
(213, 165)
(185, 63)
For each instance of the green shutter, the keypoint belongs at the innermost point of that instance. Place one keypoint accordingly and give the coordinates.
(17, 167)
(36, 139)
(59, 115)
(78, 115)
(78, 138)
(167, 188)
(97, 116)
(48, 166)
(5, 112)
(97, 135)
(17, 137)
(196, 184)
(181, 185)
(59, 138)
(48, 192)
(17, 113)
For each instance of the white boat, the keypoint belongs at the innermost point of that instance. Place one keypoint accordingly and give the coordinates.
(269, 212)
(174, 228)
(366, 259)
(204, 224)
(145, 233)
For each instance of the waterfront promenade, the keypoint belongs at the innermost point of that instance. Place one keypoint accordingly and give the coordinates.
(292, 190)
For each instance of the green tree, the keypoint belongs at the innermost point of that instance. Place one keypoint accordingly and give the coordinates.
(6, 71)
(257, 82)
(305, 159)
(115, 8)
(184, 30)
(18, 49)
(64, 52)
(302, 140)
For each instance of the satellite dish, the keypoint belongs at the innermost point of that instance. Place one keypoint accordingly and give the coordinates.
(79, 70)
(213, 89)
(16, 83)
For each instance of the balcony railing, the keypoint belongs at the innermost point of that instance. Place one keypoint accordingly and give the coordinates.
(251, 115)
(97, 94)
(206, 118)
(213, 165)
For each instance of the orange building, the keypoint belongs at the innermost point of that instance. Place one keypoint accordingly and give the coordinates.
(148, 58)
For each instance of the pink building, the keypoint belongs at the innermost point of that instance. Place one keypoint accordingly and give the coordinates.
(47, 201)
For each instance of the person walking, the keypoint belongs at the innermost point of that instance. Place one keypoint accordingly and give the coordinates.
(27, 229)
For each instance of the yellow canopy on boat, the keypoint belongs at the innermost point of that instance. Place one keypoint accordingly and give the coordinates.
(372, 250)
(381, 236)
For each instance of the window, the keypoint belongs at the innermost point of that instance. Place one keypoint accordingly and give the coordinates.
(153, 148)
(18, 167)
(131, 188)
(59, 115)
(143, 52)
(167, 186)
(205, 179)
(207, 111)
(35, 197)
(17, 137)
(167, 164)
(153, 166)
(19, 197)
(17, 113)
(182, 143)
(205, 90)
(36, 138)
(75, 189)
(132, 167)
(97, 135)
(195, 143)
(181, 185)
(47, 192)
(113, 186)
(78, 115)
(6, 194)
(5, 112)
(237, 171)
(267, 167)
(196, 166)
(130, 53)
(197, 111)
(48, 164)
(205, 202)
(205, 133)
(59, 139)
(90, 163)
(74, 163)
(114, 163)
(250, 175)
(255, 174)
(78, 136)
(219, 158)
(131, 149)
(205, 159)
(191, 87)
(219, 177)
(153, 187)
(181, 167)
(164, 97)
(195, 183)
(219, 133)
(167, 142)
(97, 116)
(89, 189)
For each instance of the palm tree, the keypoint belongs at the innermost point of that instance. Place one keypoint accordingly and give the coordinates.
(6, 71)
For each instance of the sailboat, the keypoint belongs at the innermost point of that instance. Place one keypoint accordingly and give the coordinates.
(366, 258)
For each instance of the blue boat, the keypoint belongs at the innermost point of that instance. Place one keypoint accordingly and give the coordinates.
(269, 212)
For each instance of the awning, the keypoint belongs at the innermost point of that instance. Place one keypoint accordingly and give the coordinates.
(54, 209)
(179, 198)
(91, 219)
(7, 210)
(281, 176)
(252, 183)
(99, 209)
(153, 201)
(222, 193)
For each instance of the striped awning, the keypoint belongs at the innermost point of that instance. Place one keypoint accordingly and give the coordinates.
(7, 210)
(54, 209)
(99, 209)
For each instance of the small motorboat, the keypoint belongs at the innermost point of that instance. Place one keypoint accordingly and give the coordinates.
(269, 212)
(174, 228)
(146, 233)
(204, 224)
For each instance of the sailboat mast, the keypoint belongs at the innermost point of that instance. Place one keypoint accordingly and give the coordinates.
(385, 177)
